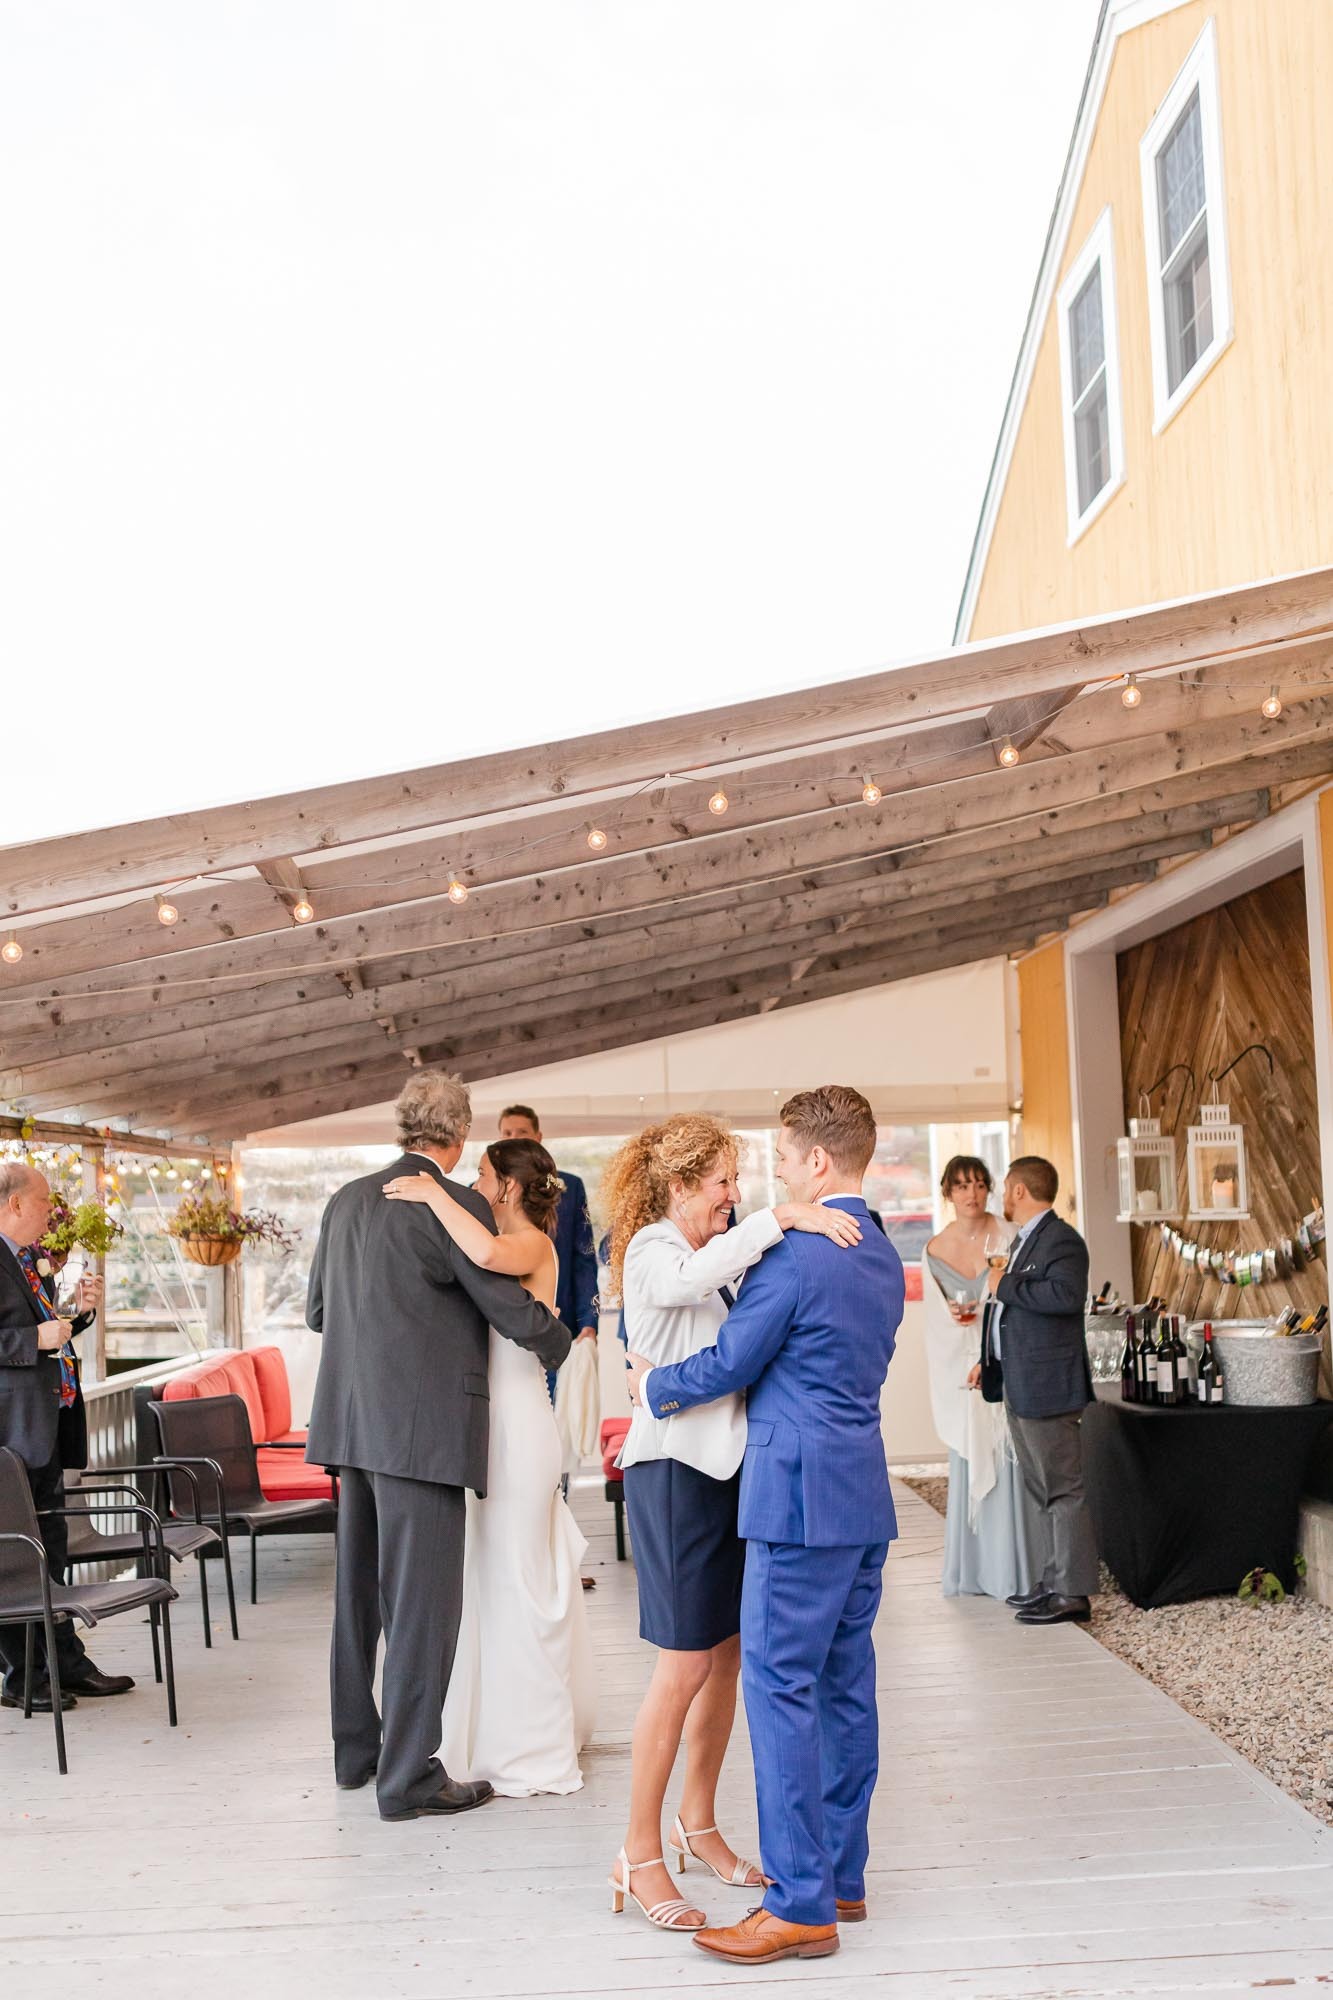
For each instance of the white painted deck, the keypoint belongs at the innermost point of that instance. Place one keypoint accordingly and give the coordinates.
(1047, 1823)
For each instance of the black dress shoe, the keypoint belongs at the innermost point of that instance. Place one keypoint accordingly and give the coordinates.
(96, 1682)
(1023, 1600)
(41, 1700)
(1054, 1610)
(451, 1798)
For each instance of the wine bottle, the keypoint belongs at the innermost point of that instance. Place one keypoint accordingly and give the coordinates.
(1189, 1366)
(1129, 1359)
(1147, 1362)
(1206, 1386)
(1167, 1379)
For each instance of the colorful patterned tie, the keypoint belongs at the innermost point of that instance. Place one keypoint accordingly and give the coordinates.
(69, 1380)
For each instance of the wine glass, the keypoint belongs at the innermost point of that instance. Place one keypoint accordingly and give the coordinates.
(965, 1307)
(997, 1250)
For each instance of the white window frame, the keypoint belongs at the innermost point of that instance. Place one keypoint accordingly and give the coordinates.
(1099, 250)
(1200, 68)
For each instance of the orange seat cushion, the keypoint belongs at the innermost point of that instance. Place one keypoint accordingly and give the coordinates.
(613, 1435)
(274, 1390)
(284, 1475)
(240, 1373)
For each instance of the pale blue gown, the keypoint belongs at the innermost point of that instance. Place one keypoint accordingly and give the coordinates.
(997, 1555)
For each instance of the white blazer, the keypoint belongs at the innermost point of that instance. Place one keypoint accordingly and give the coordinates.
(672, 1310)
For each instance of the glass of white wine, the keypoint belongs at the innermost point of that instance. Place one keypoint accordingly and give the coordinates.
(997, 1251)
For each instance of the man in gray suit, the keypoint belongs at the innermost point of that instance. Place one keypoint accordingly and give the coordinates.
(402, 1409)
(1035, 1330)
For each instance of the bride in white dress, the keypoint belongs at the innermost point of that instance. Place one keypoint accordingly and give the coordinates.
(520, 1702)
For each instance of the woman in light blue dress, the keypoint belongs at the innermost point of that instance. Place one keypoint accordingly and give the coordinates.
(991, 1530)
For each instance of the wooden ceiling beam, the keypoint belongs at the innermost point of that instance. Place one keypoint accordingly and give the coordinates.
(1050, 900)
(211, 936)
(356, 1085)
(105, 1049)
(43, 875)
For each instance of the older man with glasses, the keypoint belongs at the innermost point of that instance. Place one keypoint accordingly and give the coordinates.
(39, 1378)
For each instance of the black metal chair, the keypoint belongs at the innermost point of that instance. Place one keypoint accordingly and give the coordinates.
(28, 1597)
(180, 1539)
(215, 1431)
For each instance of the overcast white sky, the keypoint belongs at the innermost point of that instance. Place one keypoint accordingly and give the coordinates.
(389, 381)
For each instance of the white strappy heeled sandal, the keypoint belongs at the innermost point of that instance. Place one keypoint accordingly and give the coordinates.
(739, 1877)
(664, 1916)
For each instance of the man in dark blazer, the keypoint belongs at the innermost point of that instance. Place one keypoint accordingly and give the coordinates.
(402, 1409)
(42, 1420)
(1035, 1329)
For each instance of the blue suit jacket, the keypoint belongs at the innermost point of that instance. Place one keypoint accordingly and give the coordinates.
(811, 1337)
(576, 1286)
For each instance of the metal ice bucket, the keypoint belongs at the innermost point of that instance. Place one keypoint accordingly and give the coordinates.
(1262, 1369)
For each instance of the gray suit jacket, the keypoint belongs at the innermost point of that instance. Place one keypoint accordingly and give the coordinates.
(1043, 1351)
(402, 1384)
(29, 1379)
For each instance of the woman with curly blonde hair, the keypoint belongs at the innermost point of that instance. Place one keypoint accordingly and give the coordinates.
(670, 1193)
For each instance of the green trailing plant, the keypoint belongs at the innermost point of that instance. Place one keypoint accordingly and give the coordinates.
(213, 1216)
(86, 1226)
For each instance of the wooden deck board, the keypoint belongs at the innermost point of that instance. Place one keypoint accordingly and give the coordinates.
(1048, 1826)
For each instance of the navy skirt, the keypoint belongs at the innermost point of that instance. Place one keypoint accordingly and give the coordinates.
(689, 1558)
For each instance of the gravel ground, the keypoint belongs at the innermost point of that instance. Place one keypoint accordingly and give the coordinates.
(1257, 1675)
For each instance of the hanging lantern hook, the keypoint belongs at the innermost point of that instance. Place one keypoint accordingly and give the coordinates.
(1162, 1079)
(1215, 1076)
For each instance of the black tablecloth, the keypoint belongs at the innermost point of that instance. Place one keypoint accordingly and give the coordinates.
(1185, 1501)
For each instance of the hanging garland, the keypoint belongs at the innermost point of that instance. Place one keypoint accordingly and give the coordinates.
(1272, 1264)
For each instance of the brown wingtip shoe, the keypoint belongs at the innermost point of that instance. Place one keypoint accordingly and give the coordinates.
(852, 1913)
(762, 1939)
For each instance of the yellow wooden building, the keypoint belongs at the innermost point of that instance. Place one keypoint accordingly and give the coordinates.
(1170, 426)
(1169, 433)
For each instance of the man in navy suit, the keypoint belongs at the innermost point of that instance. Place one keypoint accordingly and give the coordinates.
(810, 1337)
(1036, 1331)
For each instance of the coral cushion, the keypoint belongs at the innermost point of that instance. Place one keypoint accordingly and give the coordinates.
(274, 1390)
(284, 1475)
(240, 1372)
(613, 1434)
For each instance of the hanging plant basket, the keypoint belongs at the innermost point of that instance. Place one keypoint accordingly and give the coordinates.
(212, 1249)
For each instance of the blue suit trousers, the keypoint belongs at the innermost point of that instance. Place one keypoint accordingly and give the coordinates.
(808, 1670)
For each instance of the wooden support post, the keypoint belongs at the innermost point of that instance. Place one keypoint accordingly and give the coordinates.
(233, 1278)
(92, 1347)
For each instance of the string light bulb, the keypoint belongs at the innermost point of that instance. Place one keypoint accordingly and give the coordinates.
(167, 913)
(1131, 694)
(871, 792)
(458, 891)
(718, 803)
(1008, 754)
(596, 839)
(11, 950)
(1271, 706)
(303, 910)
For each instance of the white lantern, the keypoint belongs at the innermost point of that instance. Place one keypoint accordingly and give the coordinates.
(1147, 1168)
(1219, 1188)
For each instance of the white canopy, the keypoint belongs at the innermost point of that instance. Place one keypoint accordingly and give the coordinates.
(933, 1049)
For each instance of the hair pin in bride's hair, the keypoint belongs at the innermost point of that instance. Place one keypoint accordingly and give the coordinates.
(554, 1184)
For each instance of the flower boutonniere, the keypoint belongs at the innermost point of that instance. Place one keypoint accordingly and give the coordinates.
(43, 1267)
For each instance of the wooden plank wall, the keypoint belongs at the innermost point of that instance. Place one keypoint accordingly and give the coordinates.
(1043, 1030)
(1199, 994)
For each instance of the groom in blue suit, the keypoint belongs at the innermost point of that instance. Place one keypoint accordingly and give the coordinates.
(810, 1337)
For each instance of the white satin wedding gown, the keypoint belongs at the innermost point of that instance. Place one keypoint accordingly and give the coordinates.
(521, 1702)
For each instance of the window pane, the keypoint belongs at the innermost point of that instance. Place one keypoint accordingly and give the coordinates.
(1087, 338)
(1189, 310)
(1180, 182)
(1092, 446)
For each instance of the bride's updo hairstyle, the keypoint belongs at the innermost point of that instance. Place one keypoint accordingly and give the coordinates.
(636, 1187)
(532, 1171)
